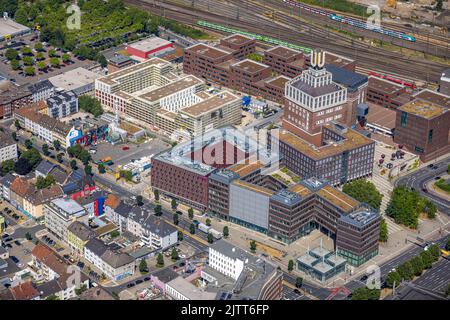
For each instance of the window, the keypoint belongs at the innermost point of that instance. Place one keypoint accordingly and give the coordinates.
(430, 135)
(403, 119)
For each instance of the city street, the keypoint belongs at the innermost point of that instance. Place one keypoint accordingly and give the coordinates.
(419, 178)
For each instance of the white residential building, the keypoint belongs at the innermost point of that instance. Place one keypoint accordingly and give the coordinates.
(8, 148)
(41, 90)
(62, 104)
(114, 264)
(60, 213)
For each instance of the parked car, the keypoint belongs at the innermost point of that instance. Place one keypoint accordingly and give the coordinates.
(17, 242)
(126, 148)
(14, 259)
(139, 281)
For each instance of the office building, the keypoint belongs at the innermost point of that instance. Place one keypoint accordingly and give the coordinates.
(423, 128)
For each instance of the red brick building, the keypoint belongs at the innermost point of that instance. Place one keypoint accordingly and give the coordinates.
(423, 128)
(386, 93)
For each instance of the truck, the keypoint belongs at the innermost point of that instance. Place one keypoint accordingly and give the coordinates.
(203, 227)
(216, 234)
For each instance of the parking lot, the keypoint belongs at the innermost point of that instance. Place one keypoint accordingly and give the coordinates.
(30, 40)
(134, 151)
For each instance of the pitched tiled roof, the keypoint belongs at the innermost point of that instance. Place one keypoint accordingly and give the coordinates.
(112, 201)
(20, 186)
(40, 196)
(24, 291)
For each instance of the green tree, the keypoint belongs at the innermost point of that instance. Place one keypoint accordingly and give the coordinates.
(174, 254)
(364, 191)
(156, 194)
(192, 228)
(102, 60)
(175, 219)
(28, 61)
(158, 210)
(439, 5)
(11, 54)
(140, 200)
(208, 222)
(45, 149)
(52, 53)
(65, 57)
(26, 51)
(210, 238)
(290, 265)
(435, 252)
(15, 65)
(404, 206)
(429, 208)
(88, 170)
(73, 164)
(180, 236)
(226, 232)
(427, 259)
(191, 213)
(173, 204)
(28, 236)
(28, 144)
(298, 282)
(29, 71)
(7, 167)
(14, 136)
(17, 124)
(448, 169)
(160, 260)
(59, 157)
(384, 234)
(90, 105)
(38, 46)
(41, 65)
(406, 271)
(42, 183)
(447, 245)
(56, 144)
(22, 166)
(417, 265)
(447, 292)
(40, 56)
(54, 62)
(52, 297)
(366, 294)
(253, 246)
(143, 268)
(392, 278)
(32, 156)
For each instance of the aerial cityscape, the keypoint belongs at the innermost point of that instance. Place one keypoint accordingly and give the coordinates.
(225, 150)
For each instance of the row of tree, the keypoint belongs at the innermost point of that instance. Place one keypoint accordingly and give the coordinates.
(414, 267)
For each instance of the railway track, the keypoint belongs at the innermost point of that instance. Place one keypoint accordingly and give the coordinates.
(431, 43)
(245, 16)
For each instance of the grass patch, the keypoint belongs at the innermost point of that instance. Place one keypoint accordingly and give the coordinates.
(340, 5)
(441, 184)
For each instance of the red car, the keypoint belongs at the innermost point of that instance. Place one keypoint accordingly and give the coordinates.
(125, 148)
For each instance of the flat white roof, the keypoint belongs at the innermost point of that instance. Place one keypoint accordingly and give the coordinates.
(149, 44)
(74, 79)
(10, 27)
